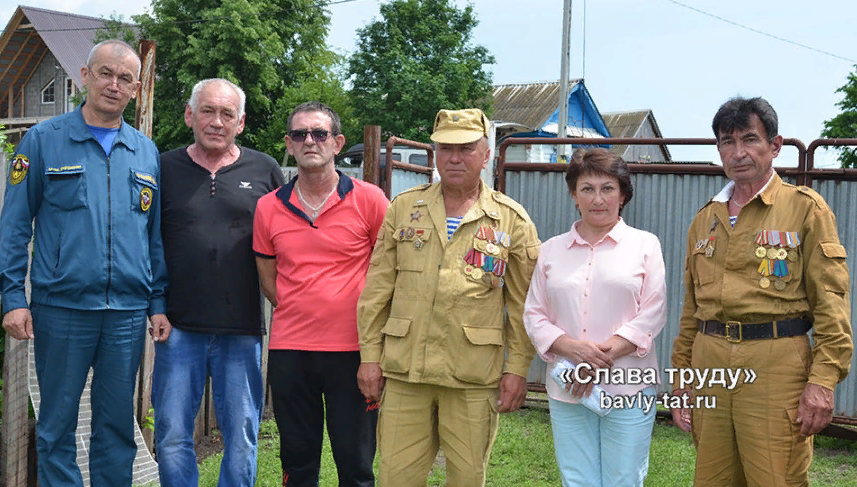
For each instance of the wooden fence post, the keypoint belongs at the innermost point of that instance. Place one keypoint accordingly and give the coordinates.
(371, 154)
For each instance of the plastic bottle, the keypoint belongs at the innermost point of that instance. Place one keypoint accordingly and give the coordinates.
(563, 374)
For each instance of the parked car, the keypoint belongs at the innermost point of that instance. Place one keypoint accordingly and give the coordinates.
(354, 156)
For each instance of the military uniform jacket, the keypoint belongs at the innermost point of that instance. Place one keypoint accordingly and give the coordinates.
(432, 310)
(800, 273)
(97, 241)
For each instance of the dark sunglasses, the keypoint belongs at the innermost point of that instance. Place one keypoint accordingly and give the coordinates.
(317, 135)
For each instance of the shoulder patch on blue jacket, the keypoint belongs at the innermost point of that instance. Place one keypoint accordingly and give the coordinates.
(20, 166)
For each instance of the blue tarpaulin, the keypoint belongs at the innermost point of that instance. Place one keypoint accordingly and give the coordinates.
(583, 117)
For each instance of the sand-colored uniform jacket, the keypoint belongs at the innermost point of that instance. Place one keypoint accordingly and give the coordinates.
(432, 310)
(734, 281)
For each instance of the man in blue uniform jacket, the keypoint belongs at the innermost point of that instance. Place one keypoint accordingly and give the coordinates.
(91, 183)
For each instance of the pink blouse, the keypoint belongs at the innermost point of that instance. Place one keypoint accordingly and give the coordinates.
(592, 292)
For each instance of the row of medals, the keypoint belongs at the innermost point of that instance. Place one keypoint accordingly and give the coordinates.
(488, 234)
(773, 254)
(478, 273)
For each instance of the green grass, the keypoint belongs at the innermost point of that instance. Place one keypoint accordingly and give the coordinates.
(834, 463)
(671, 457)
(523, 456)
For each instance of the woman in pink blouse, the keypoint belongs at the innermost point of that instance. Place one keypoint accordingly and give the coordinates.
(598, 297)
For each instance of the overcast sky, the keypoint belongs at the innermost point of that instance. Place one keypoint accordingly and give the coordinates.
(647, 54)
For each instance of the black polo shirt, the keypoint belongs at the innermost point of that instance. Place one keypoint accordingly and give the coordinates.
(207, 227)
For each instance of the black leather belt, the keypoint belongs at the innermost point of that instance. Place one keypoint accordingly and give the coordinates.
(735, 331)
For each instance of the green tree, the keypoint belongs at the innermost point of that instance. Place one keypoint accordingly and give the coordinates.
(844, 125)
(323, 83)
(115, 27)
(6, 149)
(415, 61)
(264, 46)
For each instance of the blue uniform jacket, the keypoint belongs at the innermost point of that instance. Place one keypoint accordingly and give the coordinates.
(97, 220)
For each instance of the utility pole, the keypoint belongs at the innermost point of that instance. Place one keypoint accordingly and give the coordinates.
(562, 123)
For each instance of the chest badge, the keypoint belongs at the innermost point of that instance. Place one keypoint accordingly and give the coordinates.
(418, 243)
(145, 199)
(20, 166)
(773, 248)
(415, 216)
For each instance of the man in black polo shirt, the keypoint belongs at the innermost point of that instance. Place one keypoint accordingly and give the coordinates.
(209, 193)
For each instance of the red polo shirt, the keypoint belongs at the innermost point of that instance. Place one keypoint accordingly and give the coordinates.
(321, 265)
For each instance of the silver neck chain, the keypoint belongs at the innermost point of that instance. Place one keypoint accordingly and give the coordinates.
(314, 209)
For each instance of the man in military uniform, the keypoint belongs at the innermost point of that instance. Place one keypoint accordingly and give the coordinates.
(448, 259)
(764, 266)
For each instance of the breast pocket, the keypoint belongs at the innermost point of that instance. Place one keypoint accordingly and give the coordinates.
(144, 188)
(411, 248)
(703, 266)
(66, 187)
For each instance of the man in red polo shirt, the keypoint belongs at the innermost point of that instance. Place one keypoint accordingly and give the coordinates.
(313, 240)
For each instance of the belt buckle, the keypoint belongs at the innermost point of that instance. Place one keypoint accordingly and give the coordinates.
(731, 325)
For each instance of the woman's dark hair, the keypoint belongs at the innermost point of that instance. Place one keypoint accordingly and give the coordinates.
(600, 162)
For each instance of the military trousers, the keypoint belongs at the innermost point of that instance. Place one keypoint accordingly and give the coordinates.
(747, 435)
(417, 419)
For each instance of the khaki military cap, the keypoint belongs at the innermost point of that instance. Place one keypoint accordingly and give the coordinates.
(459, 126)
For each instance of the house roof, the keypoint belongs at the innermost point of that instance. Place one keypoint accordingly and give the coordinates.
(30, 33)
(625, 124)
(527, 104)
(536, 106)
(629, 124)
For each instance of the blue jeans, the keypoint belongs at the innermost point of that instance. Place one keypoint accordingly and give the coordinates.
(612, 451)
(67, 343)
(182, 365)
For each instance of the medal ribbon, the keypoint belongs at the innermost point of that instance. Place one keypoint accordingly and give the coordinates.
(502, 238)
(499, 268)
(474, 258)
(489, 234)
(764, 267)
(780, 268)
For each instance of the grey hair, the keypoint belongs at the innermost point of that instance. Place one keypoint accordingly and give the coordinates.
(197, 89)
(118, 48)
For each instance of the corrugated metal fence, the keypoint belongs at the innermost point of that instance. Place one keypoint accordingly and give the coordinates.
(666, 198)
